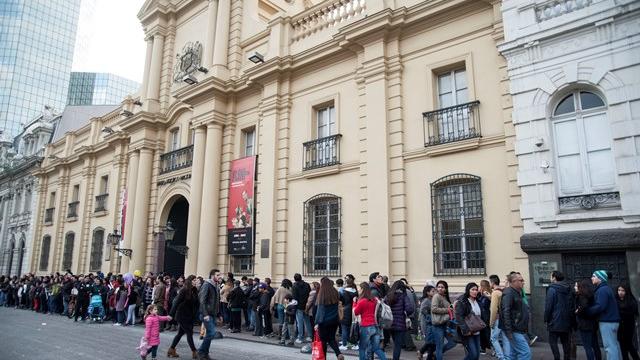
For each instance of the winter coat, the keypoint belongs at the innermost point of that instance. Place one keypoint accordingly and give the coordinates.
(209, 297)
(236, 298)
(159, 294)
(185, 306)
(439, 310)
(401, 308)
(378, 291)
(122, 300)
(514, 312)
(346, 298)
(494, 307)
(583, 321)
(425, 320)
(463, 308)
(290, 312)
(605, 306)
(559, 308)
(485, 305)
(264, 301)
(278, 297)
(152, 329)
(628, 313)
(300, 292)
(326, 314)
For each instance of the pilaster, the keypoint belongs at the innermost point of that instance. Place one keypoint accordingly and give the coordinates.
(58, 239)
(141, 211)
(130, 193)
(88, 183)
(195, 202)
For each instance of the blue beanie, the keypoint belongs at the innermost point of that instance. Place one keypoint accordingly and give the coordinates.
(601, 274)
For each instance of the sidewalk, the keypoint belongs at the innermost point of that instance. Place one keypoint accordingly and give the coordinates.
(541, 351)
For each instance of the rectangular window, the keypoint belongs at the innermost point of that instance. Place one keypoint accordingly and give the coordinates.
(104, 184)
(322, 236)
(243, 265)
(52, 199)
(326, 121)
(17, 203)
(456, 202)
(248, 141)
(174, 138)
(76, 193)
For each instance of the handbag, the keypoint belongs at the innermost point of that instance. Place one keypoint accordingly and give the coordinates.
(354, 337)
(407, 321)
(474, 323)
(316, 348)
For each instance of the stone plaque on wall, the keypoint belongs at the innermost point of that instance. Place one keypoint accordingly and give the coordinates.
(264, 248)
(542, 272)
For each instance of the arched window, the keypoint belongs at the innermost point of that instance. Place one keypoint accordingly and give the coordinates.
(582, 138)
(322, 233)
(67, 257)
(97, 244)
(44, 253)
(458, 235)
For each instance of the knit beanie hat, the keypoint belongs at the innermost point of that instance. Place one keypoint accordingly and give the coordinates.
(601, 274)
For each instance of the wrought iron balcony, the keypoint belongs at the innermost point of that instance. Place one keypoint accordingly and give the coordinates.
(72, 211)
(589, 201)
(48, 215)
(176, 159)
(451, 124)
(101, 202)
(322, 152)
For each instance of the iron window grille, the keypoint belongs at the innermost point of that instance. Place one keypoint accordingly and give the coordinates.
(101, 202)
(97, 244)
(243, 265)
(176, 159)
(44, 253)
(322, 235)
(67, 257)
(322, 152)
(450, 124)
(48, 215)
(589, 202)
(458, 236)
(72, 211)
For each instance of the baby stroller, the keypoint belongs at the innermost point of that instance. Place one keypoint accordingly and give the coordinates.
(96, 310)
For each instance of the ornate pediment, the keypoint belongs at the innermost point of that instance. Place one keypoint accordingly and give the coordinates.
(188, 61)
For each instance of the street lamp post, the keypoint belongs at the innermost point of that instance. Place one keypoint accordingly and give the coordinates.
(114, 239)
(169, 232)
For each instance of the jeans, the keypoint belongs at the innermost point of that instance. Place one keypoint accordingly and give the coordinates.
(472, 344)
(153, 351)
(52, 304)
(65, 305)
(520, 346)
(120, 317)
(280, 313)
(370, 338)
(345, 331)
(439, 335)
(252, 318)
(609, 334)
(131, 314)
(553, 342)
(210, 325)
(503, 352)
(398, 341)
(303, 323)
(590, 344)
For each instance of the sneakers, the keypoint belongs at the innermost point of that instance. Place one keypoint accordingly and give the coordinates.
(532, 340)
(307, 339)
(419, 355)
(298, 341)
(483, 352)
(343, 348)
(355, 348)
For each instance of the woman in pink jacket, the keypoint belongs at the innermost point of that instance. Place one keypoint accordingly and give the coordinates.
(152, 329)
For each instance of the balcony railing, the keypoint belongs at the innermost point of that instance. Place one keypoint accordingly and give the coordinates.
(176, 159)
(48, 215)
(451, 124)
(101, 202)
(589, 201)
(72, 211)
(322, 152)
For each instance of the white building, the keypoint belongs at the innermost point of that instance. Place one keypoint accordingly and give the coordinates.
(574, 68)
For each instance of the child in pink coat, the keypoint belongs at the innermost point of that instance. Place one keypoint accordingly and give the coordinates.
(152, 329)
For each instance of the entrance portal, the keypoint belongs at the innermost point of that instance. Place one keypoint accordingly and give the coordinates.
(578, 266)
(178, 216)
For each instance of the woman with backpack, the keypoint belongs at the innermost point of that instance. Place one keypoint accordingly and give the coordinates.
(370, 332)
(326, 316)
(440, 307)
(402, 308)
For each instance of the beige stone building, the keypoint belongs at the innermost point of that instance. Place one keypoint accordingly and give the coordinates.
(382, 131)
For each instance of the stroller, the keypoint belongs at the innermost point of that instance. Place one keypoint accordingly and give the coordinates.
(96, 310)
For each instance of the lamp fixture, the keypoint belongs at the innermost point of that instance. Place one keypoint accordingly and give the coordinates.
(126, 113)
(113, 239)
(203, 69)
(190, 79)
(137, 102)
(107, 130)
(169, 232)
(256, 58)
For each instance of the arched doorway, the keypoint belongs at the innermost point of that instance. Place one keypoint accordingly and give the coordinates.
(173, 260)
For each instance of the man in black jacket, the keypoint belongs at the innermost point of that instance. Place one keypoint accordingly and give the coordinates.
(514, 317)
(300, 292)
(209, 297)
(559, 314)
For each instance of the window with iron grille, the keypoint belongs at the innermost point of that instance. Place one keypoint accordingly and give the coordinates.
(96, 250)
(243, 265)
(458, 236)
(67, 257)
(44, 253)
(322, 224)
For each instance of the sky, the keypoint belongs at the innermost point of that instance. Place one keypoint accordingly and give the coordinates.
(110, 38)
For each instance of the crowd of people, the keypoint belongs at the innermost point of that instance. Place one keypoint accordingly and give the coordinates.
(342, 314)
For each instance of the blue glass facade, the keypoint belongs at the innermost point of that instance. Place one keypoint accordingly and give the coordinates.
(37, 39)
(88, 88)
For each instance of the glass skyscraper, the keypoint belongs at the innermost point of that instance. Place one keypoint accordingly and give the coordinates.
(37, 39)
(89, 88)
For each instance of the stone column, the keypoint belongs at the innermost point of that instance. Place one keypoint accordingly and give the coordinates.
(212, 13)
(195, 202)
(147, 66)
(221, 44)
(134, 162)
(152, 103)
(141, 212)
(208, 247)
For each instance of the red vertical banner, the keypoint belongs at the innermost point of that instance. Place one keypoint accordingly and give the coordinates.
(123, 213)
(240, 207)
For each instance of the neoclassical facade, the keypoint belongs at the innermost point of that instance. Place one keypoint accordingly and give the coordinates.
(574, 69)
(381, 131)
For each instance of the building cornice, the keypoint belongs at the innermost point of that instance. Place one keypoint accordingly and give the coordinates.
(605, 239)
